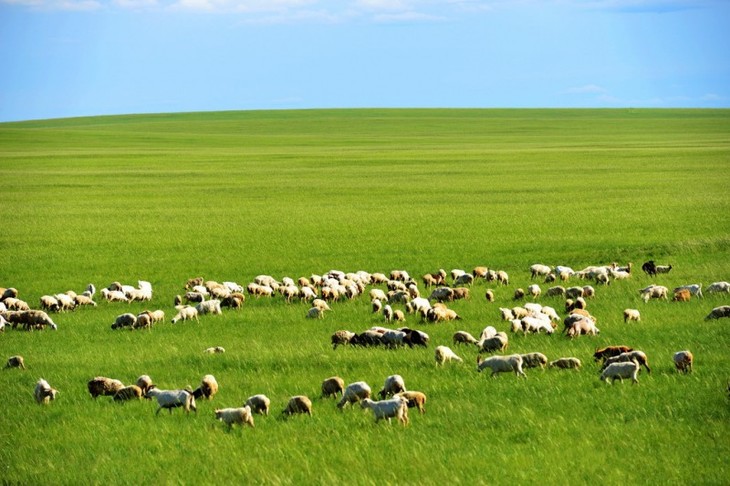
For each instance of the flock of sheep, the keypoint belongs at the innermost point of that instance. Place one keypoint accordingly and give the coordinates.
(209, 297)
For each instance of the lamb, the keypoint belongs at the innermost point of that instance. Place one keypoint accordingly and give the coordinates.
(298, 404)
(207, 389)
(209, 307)
(332, 386)
(462, 293)
(388, 313)
(43, 392)
(538, 270)
(619, 371)
(258, 404)
(232, 416)
(638, 356)
(128, 393)
(683, 361)
(144, 382)
(463, 337)
(185, 313)
(124, 320)
(693, 289)
(156, 315)
(396, 407)
(354, 392)
(719, 287)
(610, 351)
(519, 294)
(415, 399)
(631, 315)
(444, 354)
(102, 385)
(170, 399)
(502, 364)
(502, 277)
(315, 313)
(16, 361)
(566, 363)
(215, 350)
(534, 360)
(393, 384)
(718, 312)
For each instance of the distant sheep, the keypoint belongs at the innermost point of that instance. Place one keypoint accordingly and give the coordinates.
(43, 392)
(654, 292)
(128, 393)
(102, 385)
(396, 407)
(353, 393)
(207, 389)
(619, 371)
(170, 399)
(298, 404)
(683, 361)
(444, 354)
(215, 350)
(332, 386)
(566, 363)
(231, 416)
(718, 312)
(631, 315)
(489, 295)
(259, 404)
(502, 364)
(16, 361)
(114, 295)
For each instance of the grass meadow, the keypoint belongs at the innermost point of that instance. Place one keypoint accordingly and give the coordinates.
(232, 195)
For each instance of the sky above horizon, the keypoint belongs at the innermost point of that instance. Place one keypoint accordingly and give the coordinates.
(67, 58)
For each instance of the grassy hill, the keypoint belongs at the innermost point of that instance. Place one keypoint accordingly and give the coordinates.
(233, 195)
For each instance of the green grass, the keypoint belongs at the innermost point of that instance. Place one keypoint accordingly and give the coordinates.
(289, 193)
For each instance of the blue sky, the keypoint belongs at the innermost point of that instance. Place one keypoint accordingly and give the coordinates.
(63, 58)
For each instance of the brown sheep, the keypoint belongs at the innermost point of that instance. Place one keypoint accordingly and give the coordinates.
(16, 362)
(207, 389)
(415, 399)
(683, 361)
(102, 385)
(610, 351)
(128, 393)
(144, 382)
(332, 386)
(298, 404)
(682, 295)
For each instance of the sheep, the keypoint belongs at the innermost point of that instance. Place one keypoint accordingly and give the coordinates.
(393, 384)
(465, 279)
(215, 350)
(566, 363)
(209, 307)
(15, 304)
(84, 300)
(185, 313)
(507, 314)
(231, 416)
(431, 280)
(233, 301)
(16, 361)
(638, 356)
(682, 295)
(332, 386)
(400, 275)
(396, 407)
(170, 399)
(442, 294)
(662, 268)
(367, 338)
(444, 354)
(194, 297)
(258, 404)
(144, 382)
(462, 293)
(501, 364)
(480, 272)
(588, 292)
(585, 325)
(610, 351)
(693, 289)
(128, 393)
(102, 385)
(9, 293)
(538, 270)
(140, 295)
(393, 339)
(631, 315)
(498, 342)
(534, 291)
(315, 313)
(619, 371)
(207, 389)
(192, 282)
(49, 303)
(463, 337)
(534, 360)
(156, 315)
(144, 321)
(114, 295)
(43, 392)
(719, 287)
(415, 337)
(124, 320)
(519, 294)
(551, 313)
(30, 319)
(354, 392)
(415, 399)
(718, 312)
(573, 292)
(341, 337)
(298, 404)
(388, 313)
(489, 295)
(502, 277)
(683, 361)
(536, 323)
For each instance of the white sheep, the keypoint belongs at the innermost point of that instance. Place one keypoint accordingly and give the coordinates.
(215, 350)
(566, 363)
(488, 332)
(209, 307)
(396, 407)
(501, 364)
(144, 382)
(718, 312)
(231, 416)
(393, 384)
(683, 361)
(444, 354)
(719, 287)
(619, 371)
(207, 389)
(654, 292)
(354, 392)
(49, 303)
(258, 404)
(463, 337)
(114, 295)
(185, 313)
(534, 291)
(43, 392)
(631, 315)
(534, 360)
(539, 269)
(170, 399)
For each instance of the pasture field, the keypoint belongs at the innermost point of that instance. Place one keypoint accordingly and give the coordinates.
(232, 195)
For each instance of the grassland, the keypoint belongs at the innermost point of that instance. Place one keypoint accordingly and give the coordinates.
(236, 194)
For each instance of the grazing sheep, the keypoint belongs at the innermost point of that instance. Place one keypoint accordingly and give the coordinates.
(662, 268)
(414, 337)
(332, 386)
(519, 294)
(566, 363)
(233, 301)
(341, 337)
(464, 279)
(185, 313)
(14, 304)
(258, 404)
(209, 307)
(367, 338)
(462, 293)
(444, 354)
(638, 356)
(102, 385)
(498, 342)
(84, 300)
(298, 404)
(43, 392)
(442, 294)
(144, 382)
(654, 292)
(315, 313)
(694, 289)
(354, 392)
(463, 337)
(144, 321)
(487, 333)
(682, 295)
(502, 364)
(49, 303)
(170, 399)
(388, 313)
(207, 389)
(719, 312)
(534, 360)
(415, 399)
(377, 305)
(393, 339)
(114, 295)
(393, 384)
(16, 361)
(124, 320)
(534, 291)
(215, 350)
(502, 277)
(231, 416)
(573, 292)
(507, 314)
(581, 325)
(128, 393)
(631, 315)
(610, 351)
(489, 295)
(683, 361)
(719, 287)
(619, 371)
(396, 407)
(539, 270)
(536, 323)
